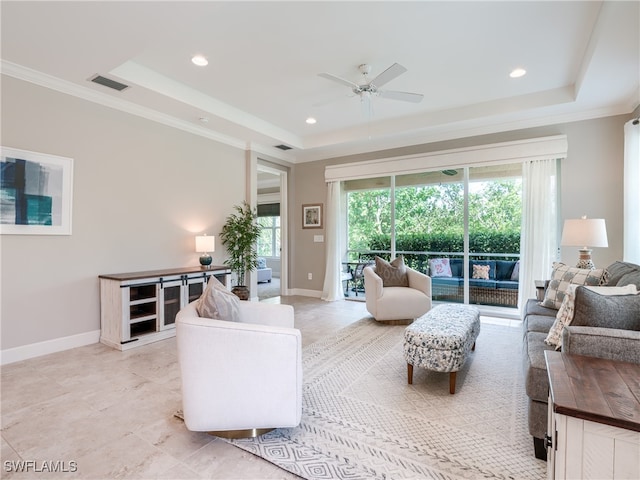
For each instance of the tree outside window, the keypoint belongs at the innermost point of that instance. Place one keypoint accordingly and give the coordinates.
(269, 241)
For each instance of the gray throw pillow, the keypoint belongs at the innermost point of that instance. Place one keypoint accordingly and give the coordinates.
(632, 278)
(393, 274)
(594, 310)
(218, 303)
(618, 269)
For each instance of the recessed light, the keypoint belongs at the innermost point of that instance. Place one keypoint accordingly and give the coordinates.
(518, 72)
(200, 60)
(311, 120)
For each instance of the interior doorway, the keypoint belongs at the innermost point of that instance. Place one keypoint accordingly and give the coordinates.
(272, 245)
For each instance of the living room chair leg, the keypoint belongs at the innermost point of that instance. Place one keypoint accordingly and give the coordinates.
(473, 349)
(410, 374)
(452, 383)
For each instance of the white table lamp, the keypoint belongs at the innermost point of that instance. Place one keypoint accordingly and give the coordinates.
(205, 245)
(586, 233)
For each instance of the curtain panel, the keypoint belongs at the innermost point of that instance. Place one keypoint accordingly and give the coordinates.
(631, 244)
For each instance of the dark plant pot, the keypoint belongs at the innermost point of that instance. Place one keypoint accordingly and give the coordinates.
(241, 292)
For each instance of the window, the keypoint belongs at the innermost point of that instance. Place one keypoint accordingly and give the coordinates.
(269, 241)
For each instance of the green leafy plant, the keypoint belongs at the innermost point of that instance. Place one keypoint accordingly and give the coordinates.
(240, 235)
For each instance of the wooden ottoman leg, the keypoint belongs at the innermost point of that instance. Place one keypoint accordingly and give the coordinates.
(410, 373)
(473, 349)
(452, 383)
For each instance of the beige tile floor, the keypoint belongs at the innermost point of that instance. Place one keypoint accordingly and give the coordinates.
(111, 412)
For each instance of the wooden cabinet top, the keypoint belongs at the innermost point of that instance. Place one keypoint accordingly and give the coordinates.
(595, 389)
(167, 272)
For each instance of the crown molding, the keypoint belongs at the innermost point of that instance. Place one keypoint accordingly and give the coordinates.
(63, 86)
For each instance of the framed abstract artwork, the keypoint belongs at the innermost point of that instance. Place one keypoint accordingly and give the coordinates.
(312, 215)
(36, 192)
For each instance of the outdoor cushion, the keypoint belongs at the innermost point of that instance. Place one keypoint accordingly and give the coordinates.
(504, 269)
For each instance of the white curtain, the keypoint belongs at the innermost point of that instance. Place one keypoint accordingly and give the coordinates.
(539, 234)
(332, 289)
(631, 243)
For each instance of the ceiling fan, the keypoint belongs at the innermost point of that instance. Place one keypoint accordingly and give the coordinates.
(370, 88)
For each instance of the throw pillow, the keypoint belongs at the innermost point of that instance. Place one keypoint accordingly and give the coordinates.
(515, 275)
(440, 267)
(563, 318)
(563, 276)
(262, 262)
(481, 272)
(632, 278)
(566, 312)
(218, 303)
(393, 274)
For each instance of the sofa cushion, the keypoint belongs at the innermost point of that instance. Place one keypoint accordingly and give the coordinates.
(504, 269)
(507, 284)
(478, 282)
(564, 275)
(533, 307)
(439, 267)
(455, 281)
(619, 269)
(394, 273)
(217, 302)
(595, 310)
(456, 267)
(538, 323)
(536, 380)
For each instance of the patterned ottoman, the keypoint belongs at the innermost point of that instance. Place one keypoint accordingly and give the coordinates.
(441, 340)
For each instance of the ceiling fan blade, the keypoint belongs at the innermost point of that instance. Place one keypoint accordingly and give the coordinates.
(389, 74)
(334, 78)
(403, 96)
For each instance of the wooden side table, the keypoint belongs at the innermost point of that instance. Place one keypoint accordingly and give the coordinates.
(541, 286)
(594, 418)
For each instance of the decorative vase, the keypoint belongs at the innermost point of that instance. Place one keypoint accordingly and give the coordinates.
(241, 292)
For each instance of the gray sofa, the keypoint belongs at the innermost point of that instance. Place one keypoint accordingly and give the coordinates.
(602, 326)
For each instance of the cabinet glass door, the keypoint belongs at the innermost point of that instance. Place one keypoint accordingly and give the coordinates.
(170, 301)
(195, 287)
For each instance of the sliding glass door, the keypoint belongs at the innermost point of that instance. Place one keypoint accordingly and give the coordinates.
(462, 227)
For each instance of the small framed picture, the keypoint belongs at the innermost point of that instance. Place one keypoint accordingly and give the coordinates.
(312, 215)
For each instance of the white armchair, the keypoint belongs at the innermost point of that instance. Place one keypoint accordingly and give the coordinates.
(240, 379)
(397, 303)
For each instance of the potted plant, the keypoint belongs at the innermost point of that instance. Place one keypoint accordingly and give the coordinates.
(240, 235)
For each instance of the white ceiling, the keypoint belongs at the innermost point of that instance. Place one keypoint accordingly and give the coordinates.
(582, 59)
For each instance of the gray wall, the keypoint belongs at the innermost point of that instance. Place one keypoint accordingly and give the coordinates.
(141, 190)
(591, 185)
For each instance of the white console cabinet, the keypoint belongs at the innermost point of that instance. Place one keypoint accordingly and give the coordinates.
(594, 418)
(141, 307)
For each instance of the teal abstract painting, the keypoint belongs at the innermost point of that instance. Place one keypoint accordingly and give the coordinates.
(35, 193)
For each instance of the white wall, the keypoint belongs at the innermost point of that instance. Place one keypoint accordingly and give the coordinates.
(141, 191)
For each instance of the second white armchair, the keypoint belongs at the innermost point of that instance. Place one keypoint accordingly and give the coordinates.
(397, 303)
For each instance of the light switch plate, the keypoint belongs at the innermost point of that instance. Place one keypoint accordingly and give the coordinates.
(318, 238)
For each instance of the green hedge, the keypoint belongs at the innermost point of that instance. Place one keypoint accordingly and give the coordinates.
(479, 242)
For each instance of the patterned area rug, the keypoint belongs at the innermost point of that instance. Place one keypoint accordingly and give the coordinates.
(361, 420)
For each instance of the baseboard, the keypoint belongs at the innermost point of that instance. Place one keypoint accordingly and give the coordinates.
(306, 293)
(33, 350)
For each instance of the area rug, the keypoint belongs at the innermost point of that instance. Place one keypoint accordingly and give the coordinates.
(361, 420)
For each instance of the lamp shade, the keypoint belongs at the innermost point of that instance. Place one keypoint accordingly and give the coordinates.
(205, 244)
(584, 232)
